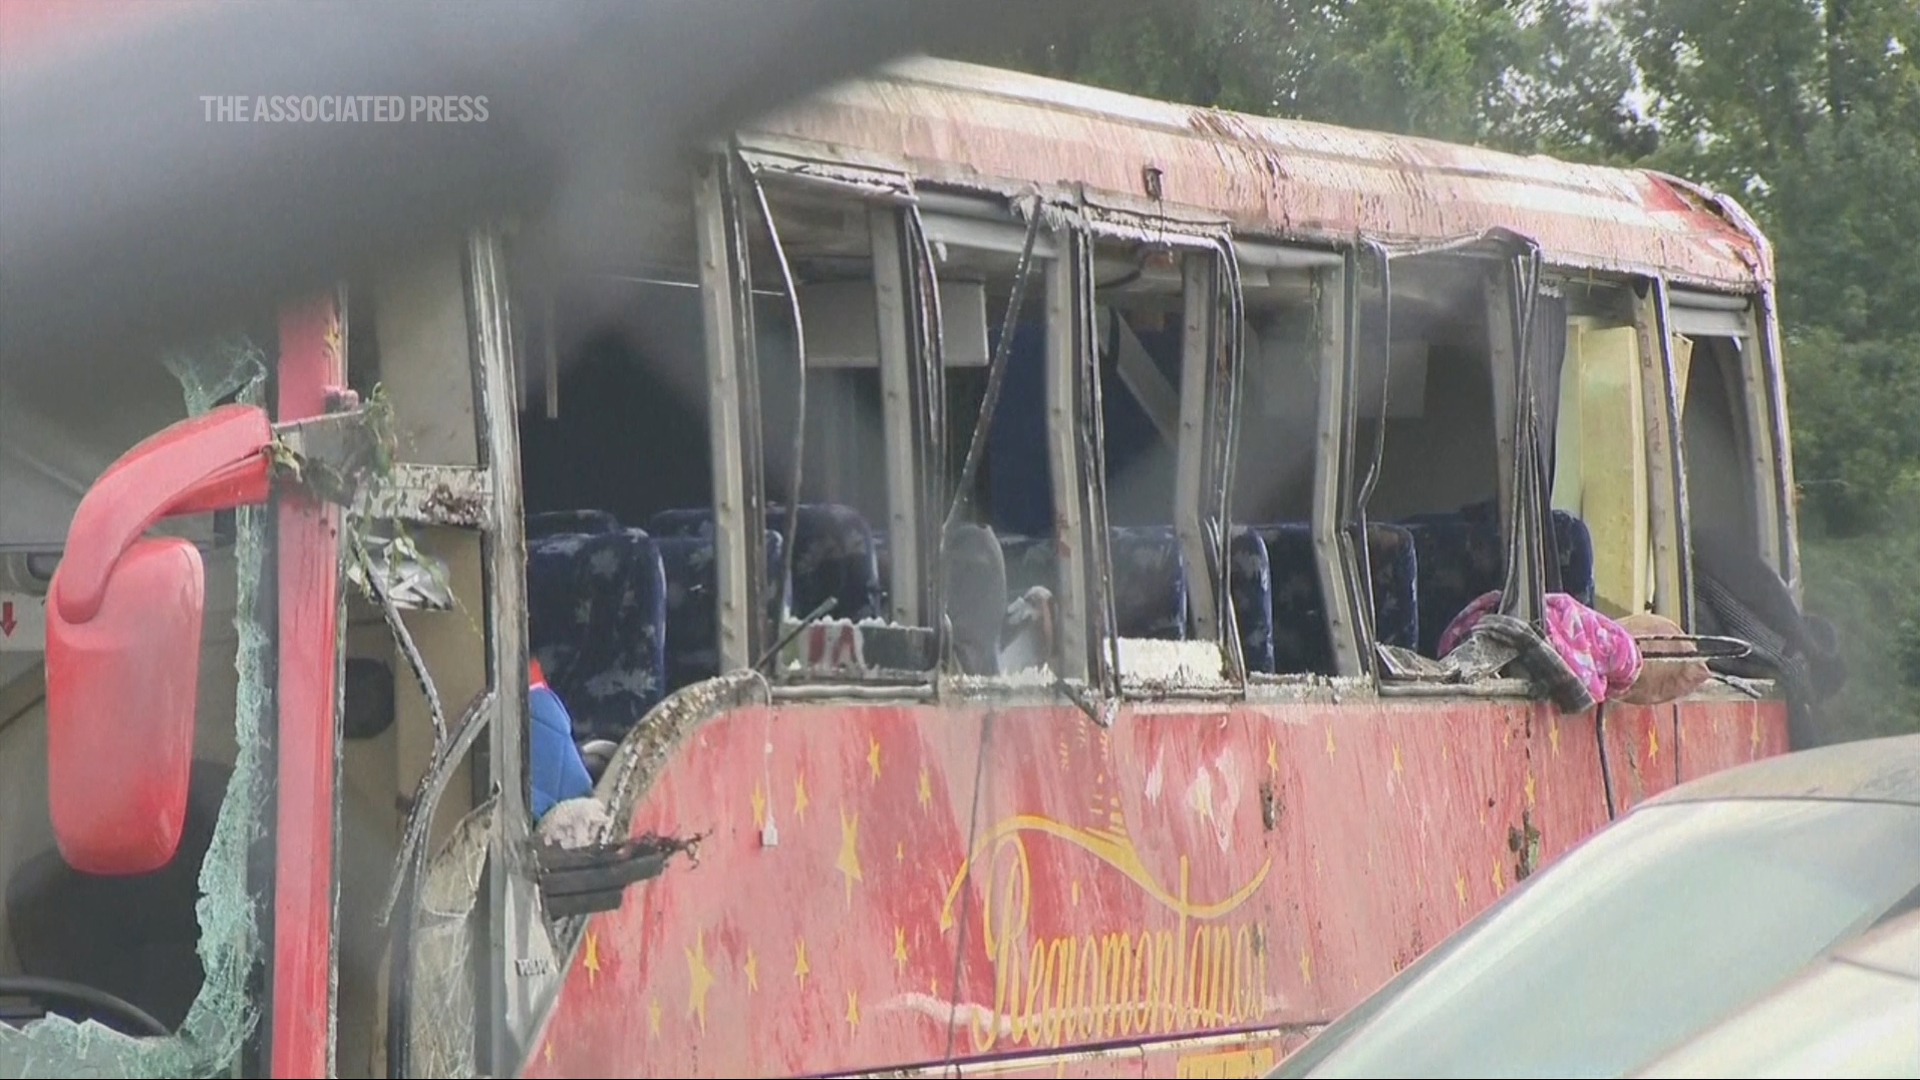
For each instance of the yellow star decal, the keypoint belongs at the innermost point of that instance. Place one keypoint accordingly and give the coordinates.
(1273, 757)
(1460, 888)
(799, 796)
(1076, 892)
(853, 1010)
(1530, 799)
(759, 808)
(1329, 740)
(926, 787)
(1499, 877)
(873, 756)
(899, 947)
(653, 1016)
(333, 335)
(591, 961)
(699, 979)
(849, 861)
(1397, 767)
(1553, 735)
(548, 1052)
(1306, 966)
(899, 851)
(753, 970)
(801, 969)
(1653, 742)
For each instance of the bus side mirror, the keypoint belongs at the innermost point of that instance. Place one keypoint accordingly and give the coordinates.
(121, 689)
(123, 641)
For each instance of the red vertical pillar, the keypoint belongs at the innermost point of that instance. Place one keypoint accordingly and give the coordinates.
(312, 362)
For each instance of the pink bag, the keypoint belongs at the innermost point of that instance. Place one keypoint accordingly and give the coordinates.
(1599, 650)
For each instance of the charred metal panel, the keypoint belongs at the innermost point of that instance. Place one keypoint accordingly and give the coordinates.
(456, 496)
(981, 128)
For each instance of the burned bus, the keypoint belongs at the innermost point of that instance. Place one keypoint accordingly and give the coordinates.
(1044, 582)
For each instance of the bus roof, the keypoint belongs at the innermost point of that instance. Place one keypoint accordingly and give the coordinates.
(980, 128)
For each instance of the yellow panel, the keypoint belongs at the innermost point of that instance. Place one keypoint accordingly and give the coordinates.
(1601, 461)
(1682, 364)
(1568, 468)
(1234, 1063)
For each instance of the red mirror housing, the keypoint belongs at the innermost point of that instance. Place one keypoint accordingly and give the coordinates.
(121, 689)
(123, 641)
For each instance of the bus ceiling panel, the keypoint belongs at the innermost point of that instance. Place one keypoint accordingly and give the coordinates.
(1271, 256)
(1006, 235)
(841, 324)
(1704, 314)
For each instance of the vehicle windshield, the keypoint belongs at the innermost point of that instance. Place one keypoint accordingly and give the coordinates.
(1648, 933)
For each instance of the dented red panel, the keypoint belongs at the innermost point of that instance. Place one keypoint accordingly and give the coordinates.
(980, 127)
(1123, 901)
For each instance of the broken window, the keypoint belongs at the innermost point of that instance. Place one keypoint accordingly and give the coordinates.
(1725, 408)
(1285, 547)
(1608, 438)
(1006, 600)
(850, 376)
(180, 944)
(1164, 360)
(1433, 385)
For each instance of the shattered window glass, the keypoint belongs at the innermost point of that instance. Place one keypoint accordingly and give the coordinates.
(208, 1043)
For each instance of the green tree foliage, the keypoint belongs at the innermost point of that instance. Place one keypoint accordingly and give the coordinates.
(1808, 111)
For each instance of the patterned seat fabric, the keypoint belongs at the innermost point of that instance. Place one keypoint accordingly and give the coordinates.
(833, 556)
(1031, 561)
(1149, 582)
(1462, 556)
(1301, 641)
(563, 522)
(693, 636)
(1251, 586)
(597, 622)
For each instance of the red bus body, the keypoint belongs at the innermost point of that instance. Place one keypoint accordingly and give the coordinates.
(1190, 894)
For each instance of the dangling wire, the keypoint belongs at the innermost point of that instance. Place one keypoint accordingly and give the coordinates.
(1227, 417)
(1093, 441)
(931, 325)
(1524, 544)
(996, 373)
(800, 383)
